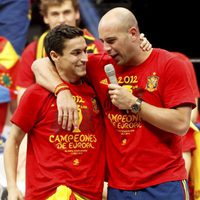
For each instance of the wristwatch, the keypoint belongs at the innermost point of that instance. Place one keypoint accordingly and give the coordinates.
(135, 108)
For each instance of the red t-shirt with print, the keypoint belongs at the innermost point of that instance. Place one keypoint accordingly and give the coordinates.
(140, 155)
(60, 157)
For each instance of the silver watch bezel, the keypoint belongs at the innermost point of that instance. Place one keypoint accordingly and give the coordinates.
(135, 108)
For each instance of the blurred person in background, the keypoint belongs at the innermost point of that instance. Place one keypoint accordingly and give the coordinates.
(54, 12)
(14, 23)
(188, 139)
(191, 145)
(8, 70)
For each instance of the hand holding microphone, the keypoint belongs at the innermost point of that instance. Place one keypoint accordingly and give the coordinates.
(110, 72)
(119, 96)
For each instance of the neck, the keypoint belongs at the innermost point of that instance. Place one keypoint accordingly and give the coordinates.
(69, 77)
(76, 81)
(140, 58)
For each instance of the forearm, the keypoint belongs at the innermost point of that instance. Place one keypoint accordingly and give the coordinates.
(176, 121)
(10, 162)
(11, 158)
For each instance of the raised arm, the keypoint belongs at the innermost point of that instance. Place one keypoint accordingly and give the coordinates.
(47, 76)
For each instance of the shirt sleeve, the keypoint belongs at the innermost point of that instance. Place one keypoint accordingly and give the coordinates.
(177, 88)
(29, 110)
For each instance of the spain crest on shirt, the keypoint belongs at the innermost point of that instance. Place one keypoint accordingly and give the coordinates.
(152, 82)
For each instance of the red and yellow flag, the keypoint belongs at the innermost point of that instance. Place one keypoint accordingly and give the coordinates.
(8, 74)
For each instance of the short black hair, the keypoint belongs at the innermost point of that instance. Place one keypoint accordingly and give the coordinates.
(55, 39)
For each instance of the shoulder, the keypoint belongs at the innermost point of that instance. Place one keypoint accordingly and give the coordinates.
(100, 58)
(164, 54)
(166, 58)
(35, 91)
(30, 47)
(35, 97)
(32, 44)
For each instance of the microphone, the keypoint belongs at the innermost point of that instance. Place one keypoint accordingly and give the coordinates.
(110, 72)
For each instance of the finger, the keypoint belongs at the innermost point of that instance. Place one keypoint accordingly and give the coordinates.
(21, 196)
(141, 36)
(113, 86)
(64, 120)
(149, 47)
(143, 43)
(59, 116)
(110, 92)
(70, 121)
(112, 97)
(76, 124)
(113, 101)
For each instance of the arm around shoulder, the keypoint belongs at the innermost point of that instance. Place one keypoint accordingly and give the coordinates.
(45, 74)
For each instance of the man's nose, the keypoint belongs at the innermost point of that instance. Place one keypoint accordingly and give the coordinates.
(84, 57)
(61, 18)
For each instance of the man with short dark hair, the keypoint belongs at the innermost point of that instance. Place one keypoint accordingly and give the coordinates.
(60, 163)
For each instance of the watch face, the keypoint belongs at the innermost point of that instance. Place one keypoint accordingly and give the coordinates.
(135, 108)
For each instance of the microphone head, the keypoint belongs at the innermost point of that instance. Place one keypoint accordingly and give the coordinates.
(109, 69)
(110, 72)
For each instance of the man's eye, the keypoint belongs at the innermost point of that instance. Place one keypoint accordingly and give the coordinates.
(67, 12)
(54, 14)
(110, 41)
(76, 53)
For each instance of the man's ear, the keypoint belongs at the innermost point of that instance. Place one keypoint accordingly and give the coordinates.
(132, 32)
(45, 19)
(77, 15)
(54, 56)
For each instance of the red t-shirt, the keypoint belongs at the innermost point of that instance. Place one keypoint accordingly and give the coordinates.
(188, 139)
(140, 155)
(191, 73)
(25, 75)
(59, 157)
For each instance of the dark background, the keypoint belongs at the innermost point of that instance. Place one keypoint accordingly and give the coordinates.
(170, 24)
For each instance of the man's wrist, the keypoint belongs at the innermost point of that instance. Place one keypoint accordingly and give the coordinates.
(60, 87)
(136, 106)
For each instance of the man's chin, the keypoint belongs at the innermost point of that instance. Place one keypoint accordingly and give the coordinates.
(82, 74)
(117, 60)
